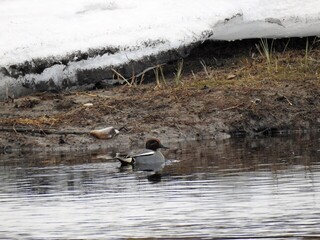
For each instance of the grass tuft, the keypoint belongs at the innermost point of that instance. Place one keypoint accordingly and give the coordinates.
(265, 50)
(205, 68)
(159, 75)
(178, 73)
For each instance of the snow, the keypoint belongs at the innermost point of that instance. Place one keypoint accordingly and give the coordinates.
(53, 29)
(42, 28)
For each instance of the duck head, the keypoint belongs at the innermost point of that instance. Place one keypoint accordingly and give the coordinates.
(154, 144)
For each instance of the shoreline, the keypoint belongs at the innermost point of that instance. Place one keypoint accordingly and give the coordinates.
(218, 91)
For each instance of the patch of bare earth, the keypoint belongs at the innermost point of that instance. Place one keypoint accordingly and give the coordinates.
(223, 91)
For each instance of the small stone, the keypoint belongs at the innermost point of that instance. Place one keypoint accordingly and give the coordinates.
(256, 100)
(88, 104)
(231, 76)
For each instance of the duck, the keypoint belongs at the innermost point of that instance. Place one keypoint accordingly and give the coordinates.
(148, 159)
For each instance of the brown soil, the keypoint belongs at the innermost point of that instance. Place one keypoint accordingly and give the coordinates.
(234, 91)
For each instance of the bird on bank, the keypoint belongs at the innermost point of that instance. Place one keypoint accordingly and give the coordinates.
(148, 159)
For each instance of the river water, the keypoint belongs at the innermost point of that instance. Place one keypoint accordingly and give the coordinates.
(234, 189)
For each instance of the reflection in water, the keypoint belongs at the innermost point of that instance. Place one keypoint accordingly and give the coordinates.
(240, 188)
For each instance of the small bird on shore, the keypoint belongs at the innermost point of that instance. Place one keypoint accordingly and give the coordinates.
(148, 159)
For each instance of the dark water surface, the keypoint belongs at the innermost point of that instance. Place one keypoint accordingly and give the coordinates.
(239, 188)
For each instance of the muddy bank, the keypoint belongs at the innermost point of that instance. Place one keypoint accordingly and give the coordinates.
(223, 90)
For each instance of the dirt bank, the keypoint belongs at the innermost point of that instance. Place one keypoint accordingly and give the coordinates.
(224, 89)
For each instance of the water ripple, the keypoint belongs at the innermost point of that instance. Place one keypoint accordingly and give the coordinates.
(236, 189)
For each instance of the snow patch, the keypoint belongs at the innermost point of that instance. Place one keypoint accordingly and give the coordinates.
(56, 41)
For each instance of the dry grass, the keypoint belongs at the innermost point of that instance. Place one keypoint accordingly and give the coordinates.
(33, 122)
(254, 70)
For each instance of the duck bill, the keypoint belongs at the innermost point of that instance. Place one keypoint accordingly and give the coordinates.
(164, 147)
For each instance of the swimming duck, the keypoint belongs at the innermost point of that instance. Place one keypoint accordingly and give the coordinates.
(148, 159)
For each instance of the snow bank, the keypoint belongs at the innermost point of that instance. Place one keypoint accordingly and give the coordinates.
(67, 36)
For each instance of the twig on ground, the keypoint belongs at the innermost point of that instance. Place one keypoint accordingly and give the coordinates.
(149, 69)
(290, 103)
(14, 129)
(85, 93)
(232, 107)
(40, 131)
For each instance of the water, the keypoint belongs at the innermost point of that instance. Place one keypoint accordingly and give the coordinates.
(240, 188)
